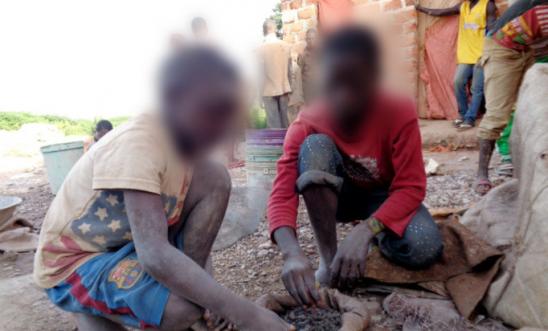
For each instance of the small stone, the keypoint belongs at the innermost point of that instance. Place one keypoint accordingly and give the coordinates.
(264, 245)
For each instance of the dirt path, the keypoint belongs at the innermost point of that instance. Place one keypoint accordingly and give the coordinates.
(251, 267)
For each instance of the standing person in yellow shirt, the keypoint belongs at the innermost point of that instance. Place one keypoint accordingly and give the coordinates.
(476, 18)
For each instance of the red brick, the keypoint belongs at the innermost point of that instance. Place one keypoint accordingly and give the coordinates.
(296, 4)
(298, 47)
(391, 5)
(297, 26)
(410, 52)
(410, 27)
(357, 2)
(369, 9)
(406, 15)
(288, 38)
(286, 6)
(307, 12)
(310, 23)
(287, 27)
(410, 3)
(408, 39)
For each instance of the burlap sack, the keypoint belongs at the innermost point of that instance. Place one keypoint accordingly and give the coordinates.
(519, 296)
(354, 313)
(494, 218)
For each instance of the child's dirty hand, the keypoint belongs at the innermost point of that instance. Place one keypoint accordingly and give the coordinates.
(217, 323)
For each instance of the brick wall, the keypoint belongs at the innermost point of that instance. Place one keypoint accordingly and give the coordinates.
(300, 15)
(399, 15)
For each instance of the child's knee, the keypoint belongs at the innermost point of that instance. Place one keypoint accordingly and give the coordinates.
(319, 161)
(319, 152)
(421, 245)
(425, 240)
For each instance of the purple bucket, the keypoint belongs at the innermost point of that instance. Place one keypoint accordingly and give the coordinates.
(273, 137)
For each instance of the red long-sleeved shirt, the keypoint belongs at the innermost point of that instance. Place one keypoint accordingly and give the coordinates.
(389, 141)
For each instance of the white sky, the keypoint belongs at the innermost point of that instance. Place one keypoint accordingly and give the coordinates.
(97, 58)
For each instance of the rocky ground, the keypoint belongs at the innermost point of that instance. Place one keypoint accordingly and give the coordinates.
(251, 267)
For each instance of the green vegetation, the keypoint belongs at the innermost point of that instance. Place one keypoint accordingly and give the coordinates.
(277, 17)
(13, 121)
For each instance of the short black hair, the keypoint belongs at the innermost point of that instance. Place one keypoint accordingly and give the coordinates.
(195, 64)
(103, 125)
(197, 22)
(354, 41)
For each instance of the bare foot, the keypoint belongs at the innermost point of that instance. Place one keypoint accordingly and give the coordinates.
(483, 186)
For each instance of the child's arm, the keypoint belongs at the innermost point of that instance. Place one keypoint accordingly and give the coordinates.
(182, 275)
(297, 273)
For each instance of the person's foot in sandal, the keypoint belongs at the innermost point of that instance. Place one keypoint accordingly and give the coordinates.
(483, 186)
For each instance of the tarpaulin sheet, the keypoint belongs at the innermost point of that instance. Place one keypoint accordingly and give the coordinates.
(439, 69)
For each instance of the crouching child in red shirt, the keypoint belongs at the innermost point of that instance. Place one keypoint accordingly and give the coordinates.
(355, 154)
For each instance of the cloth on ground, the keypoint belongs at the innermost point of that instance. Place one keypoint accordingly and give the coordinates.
(439, 69)
(355, 316)
(464, 271)
(493, 218)
(432, 314)
(518, 294)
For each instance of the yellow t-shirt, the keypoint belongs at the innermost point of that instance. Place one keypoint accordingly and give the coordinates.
(88, 215)
(472, 24)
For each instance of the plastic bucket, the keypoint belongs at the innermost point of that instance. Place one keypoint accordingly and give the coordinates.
(59, 159)
(263, 149)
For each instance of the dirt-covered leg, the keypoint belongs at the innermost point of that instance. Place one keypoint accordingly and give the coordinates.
(483, 184)
(87, 322)
(202, 216)
(321, 203)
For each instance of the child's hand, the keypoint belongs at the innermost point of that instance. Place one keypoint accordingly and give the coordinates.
(266, 320)
(217, 323)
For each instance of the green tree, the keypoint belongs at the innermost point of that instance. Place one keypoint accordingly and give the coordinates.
(277, 17)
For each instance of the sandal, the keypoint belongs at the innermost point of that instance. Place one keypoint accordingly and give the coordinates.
(485, 183)
(457, 122)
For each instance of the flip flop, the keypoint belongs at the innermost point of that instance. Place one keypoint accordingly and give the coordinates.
(485, 183)
(457, 122)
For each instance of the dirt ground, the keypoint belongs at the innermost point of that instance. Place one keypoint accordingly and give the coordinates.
(251, 267)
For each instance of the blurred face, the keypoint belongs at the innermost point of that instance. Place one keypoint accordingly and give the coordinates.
(311, 38)
(201, 31)
(202, 116)
(100, 133)
(348, 85)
